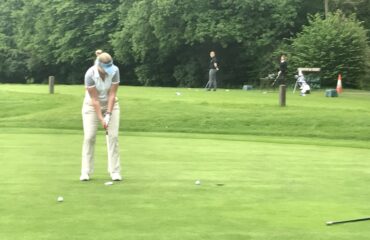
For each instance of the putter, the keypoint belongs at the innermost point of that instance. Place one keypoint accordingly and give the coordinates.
(207, 85)
(273, 83)
(348, 221)
(107, 141)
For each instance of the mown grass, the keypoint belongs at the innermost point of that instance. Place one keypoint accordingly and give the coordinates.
(266, 172)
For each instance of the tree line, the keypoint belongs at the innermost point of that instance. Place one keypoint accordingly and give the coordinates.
(166, 42)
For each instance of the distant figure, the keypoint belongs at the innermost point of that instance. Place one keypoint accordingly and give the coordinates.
(213, 68)
(283, 69)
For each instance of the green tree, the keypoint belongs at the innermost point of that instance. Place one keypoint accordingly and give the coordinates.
(360, 7)
(166, 42)
(60, 37)
(337, 44)
(12, 64)
(156, 42)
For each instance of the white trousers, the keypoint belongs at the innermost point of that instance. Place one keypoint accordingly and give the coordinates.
(90, 125)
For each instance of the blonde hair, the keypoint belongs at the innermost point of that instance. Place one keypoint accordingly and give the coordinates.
(105, 57)
(98, 52)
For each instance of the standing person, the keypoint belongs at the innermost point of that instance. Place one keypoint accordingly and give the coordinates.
(283, 69)
(213, 68)
(101, 107)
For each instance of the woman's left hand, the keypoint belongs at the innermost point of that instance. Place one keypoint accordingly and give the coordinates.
(107, 119)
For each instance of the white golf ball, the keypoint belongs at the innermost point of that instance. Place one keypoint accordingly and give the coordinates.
(197, 182)
(108, 183)
(60, 199)
(178, 93)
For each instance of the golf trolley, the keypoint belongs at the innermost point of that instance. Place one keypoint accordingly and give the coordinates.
(265, 82)
(307, 79)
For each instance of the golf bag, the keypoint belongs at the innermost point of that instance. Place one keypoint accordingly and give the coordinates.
(302, 84)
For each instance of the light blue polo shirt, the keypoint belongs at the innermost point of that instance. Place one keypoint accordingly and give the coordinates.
(93, 79)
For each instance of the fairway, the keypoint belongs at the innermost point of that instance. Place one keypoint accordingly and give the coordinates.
(266, 172)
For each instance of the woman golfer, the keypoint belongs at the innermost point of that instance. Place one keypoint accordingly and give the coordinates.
(100, 106)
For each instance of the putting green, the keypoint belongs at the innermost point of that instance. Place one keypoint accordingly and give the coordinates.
(281, 186)
(270, 190)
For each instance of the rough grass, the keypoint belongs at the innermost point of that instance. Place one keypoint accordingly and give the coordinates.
(196, 111)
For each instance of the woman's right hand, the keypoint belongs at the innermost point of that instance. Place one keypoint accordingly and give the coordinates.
(103, 123)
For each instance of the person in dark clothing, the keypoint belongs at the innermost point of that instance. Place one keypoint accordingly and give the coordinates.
(283, 69)
(213, 68)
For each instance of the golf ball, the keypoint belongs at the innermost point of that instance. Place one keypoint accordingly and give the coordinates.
(197, 182)
(60, 199)
(178, 93)
(108, 183)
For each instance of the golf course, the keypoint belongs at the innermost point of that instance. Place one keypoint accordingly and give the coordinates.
(265, 171)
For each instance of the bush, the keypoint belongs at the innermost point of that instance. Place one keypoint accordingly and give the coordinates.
(187, 74)
(337, 44)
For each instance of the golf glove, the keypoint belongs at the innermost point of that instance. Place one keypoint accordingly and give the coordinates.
(107, 118)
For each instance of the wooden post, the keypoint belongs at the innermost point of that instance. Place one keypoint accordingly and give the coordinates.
(51, 84)
(282, 95)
